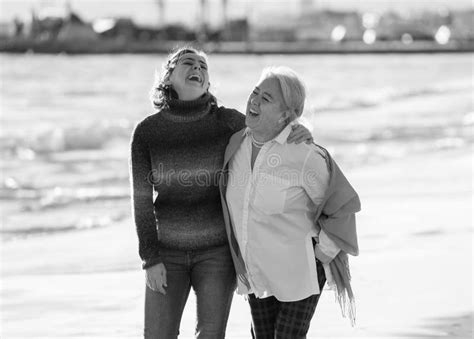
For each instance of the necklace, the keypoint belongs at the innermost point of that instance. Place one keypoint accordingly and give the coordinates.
(256, 143)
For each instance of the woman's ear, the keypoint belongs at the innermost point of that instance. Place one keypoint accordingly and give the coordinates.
(167, 81)
(166, 78)
(284, 118)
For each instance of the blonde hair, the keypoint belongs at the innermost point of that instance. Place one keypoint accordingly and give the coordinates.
(292, 87)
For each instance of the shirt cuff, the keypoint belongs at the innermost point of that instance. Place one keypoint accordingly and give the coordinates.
(329, 279)
(326, 249)
(321, 256)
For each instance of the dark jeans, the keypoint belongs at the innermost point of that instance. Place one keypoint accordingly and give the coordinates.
(274, 319)
(211, 274)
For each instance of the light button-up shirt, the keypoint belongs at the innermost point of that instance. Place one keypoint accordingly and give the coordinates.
(272, 208)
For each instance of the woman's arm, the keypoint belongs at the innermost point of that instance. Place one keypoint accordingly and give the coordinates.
(315, 181)
(142, 198)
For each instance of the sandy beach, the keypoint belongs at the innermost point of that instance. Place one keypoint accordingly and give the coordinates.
(413, 278)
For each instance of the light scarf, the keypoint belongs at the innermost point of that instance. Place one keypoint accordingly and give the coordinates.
(336, 216)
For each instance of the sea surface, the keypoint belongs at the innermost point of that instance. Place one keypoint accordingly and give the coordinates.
(66, 122)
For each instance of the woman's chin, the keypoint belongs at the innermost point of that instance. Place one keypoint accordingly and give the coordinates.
(250, 121)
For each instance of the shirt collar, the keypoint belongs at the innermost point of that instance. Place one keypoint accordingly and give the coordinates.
(280, 138)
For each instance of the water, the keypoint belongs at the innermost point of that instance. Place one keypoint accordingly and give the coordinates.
(66, 122)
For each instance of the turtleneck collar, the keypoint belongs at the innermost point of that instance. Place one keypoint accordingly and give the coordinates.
(187, 111)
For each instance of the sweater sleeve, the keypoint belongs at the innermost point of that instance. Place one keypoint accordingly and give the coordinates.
(142, 199)
(232, 118)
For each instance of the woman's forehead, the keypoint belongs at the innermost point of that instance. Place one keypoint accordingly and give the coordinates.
(193, 57)
(270, 85)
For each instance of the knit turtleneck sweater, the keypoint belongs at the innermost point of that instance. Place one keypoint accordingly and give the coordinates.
(176, 156)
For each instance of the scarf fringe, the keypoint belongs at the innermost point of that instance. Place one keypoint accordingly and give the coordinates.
(347, 305)
(343, 293)
(243, 279)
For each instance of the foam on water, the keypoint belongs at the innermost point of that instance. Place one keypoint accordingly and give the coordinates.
(379, 96)
(67, 122)
(51, 139)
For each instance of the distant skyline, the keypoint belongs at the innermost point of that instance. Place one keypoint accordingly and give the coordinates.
(187, 11)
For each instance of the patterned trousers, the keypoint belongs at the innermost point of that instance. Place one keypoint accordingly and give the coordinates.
(273, 319)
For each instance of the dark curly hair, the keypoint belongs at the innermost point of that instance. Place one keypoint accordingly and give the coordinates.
(161, 92)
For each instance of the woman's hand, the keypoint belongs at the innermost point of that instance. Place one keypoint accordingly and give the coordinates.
(156, 278)
(300, 134)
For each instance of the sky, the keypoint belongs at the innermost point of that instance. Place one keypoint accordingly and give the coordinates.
(187, 11)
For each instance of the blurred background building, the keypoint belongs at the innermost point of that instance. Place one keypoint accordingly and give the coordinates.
(310, 25)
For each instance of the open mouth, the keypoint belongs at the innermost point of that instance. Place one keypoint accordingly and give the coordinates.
(253, 113)
(195, 77)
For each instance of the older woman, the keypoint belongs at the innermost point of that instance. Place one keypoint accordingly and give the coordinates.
(282, 199)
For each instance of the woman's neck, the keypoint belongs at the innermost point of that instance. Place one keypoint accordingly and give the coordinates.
(188, 97)
(188, 110)
(264, 136)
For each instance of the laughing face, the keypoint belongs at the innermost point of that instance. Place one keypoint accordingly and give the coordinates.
(189, 77)
(265, 109)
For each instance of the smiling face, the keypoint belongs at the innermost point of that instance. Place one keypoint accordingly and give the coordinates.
(190, 78)
(266, 110)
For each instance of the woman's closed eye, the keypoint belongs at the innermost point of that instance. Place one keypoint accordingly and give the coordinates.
(265, 98)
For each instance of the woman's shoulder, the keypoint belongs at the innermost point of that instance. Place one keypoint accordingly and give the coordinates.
(150, 119)
(318, 150)
(308, 153)
(237, 136)
(231, 117)
(230, 112)
(318, 157)
(147, 123)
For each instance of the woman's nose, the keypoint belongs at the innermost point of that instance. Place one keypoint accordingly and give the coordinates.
(197, 66)
(254, 100)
